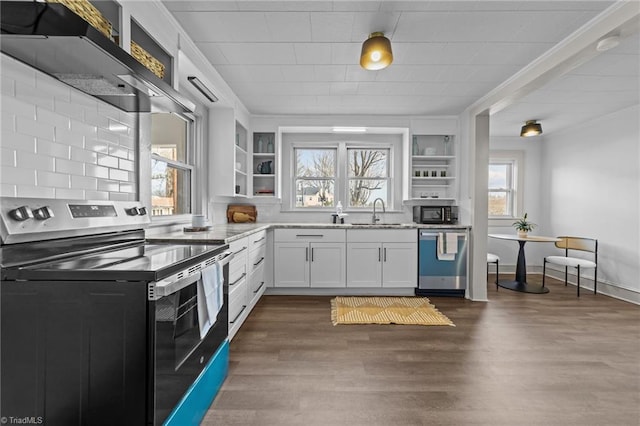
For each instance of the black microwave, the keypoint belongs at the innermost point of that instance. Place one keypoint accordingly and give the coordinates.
(435, 214)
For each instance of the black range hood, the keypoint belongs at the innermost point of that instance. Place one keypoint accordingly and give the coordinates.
(53, 39)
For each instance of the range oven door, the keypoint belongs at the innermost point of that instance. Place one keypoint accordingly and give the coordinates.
(179, 355)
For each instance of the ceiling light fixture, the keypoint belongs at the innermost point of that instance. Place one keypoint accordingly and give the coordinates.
(376, 52)
(607, 43)
(349, 129)
(202, 88)
(531, 128)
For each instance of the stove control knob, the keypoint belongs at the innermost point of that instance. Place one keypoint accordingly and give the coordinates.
(21, 213)
(133, 211)
(142, 211)
(43, 213)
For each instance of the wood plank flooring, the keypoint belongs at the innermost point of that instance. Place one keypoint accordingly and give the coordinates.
(521, 359)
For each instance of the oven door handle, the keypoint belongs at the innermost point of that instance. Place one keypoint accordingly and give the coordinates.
(159, 289)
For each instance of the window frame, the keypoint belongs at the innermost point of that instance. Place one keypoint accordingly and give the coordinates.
(188, 166)
(516, 159)
(342, 179)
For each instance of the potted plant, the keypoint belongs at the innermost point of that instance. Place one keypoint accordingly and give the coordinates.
(523, 226)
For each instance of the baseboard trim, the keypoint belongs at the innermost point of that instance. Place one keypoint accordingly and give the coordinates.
(340, 291)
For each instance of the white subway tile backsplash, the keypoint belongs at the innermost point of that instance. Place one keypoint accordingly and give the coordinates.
(107, 161)
(127, 187)
(27, 92)
(96, 195)
(108, 185)
(49, 117)
(70, 194)
(119, 175)
(28, 160)
(18, 141)
(45, 147)
(59, 142)
(96, 145)
(7, 190)
(70, 167)
(8, 86)
(14, 176)
(56, 180)
(96, 171)
(18, 107)
(118, 196)
(127, 165)
(7, 157)
(35, 192)
(8, 121)
(84, 156)
(83, 182)
(27, 126)
(69, 109)
(118, 151)
(107, 136)
(128, 142)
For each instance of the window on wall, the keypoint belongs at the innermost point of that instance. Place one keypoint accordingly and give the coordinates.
(353, 174)
(171, 172)
(505, 184)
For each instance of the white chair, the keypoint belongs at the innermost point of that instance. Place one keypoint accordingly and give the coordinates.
(493, 258)
(567, 243)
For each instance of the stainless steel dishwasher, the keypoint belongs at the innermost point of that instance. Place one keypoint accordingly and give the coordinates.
(437, 277)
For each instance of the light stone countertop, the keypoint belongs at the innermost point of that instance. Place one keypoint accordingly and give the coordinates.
(228, 232)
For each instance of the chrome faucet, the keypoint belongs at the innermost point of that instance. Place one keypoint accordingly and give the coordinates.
(375, 218)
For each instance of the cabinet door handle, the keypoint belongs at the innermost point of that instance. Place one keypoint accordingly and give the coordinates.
(238, 316)
(241, 250)
(379, 254)
(310, 235)
(258, 240)
(244, 274)
(312, 254)
(385, 254)
(259, 261)
(258, 289)
(306, 254)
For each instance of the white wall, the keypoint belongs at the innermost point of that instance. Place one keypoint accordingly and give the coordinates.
(592, 189)
(58, 142)
(532, 204)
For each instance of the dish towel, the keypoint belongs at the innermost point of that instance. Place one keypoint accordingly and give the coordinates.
(210, 297)
(447, 245)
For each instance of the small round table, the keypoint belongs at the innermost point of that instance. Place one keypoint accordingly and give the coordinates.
(520, 283)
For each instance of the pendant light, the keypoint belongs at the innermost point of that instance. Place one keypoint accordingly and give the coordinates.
(376, 52)
(531, 128)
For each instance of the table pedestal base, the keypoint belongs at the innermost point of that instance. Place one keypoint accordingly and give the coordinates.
(523, 287)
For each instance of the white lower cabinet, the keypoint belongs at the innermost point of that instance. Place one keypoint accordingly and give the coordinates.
(309, 258)
(246, 277)
(382, 258)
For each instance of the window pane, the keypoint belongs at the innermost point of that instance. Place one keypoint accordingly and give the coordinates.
(315, 162)
(368, 162)
(499, 204)
(170, 189)
(362, 192)
(314, 193)
(499, 176)
(169, 136)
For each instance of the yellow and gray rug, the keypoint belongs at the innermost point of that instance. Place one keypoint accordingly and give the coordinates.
(386, 310)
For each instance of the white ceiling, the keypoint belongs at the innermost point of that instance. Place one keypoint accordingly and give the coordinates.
(301, 57)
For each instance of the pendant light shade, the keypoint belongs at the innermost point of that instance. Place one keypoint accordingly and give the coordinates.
(531, 128)
(376, 52)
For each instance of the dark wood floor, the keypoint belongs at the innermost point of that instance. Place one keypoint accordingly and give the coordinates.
(521, 359)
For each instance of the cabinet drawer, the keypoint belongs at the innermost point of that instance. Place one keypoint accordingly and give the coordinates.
(256, 240)
(382, 235)
(238, 282)
(237, 304)
(239, 246)
(257, 258)
(310, 235)
(256, 282)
